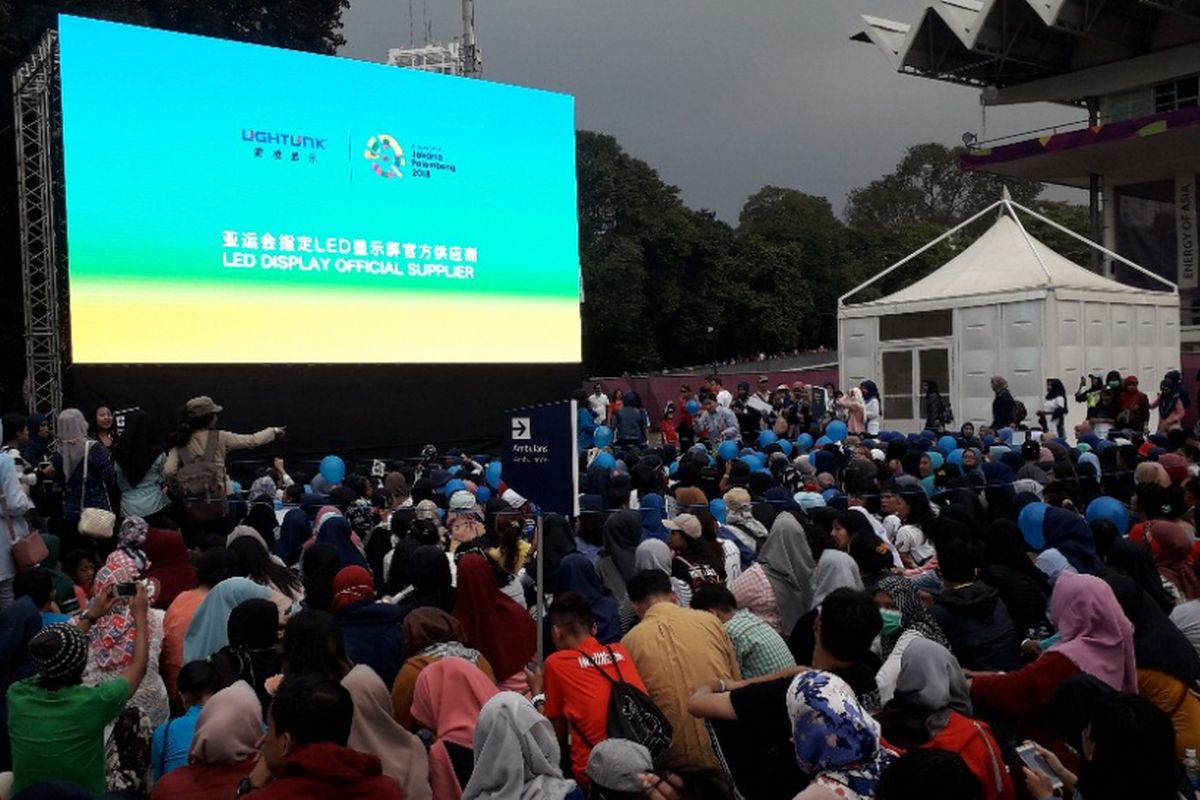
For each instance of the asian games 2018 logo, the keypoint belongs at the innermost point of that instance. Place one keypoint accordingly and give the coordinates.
(386, 156)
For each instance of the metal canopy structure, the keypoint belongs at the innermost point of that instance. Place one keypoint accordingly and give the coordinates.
(1003, 43)
(38, 127)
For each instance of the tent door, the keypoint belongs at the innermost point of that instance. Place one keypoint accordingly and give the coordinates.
(904, 369)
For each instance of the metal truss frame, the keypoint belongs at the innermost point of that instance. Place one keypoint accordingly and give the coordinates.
(38, 128)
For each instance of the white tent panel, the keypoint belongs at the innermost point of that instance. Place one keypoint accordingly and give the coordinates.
(979, 351)
(1096, 320)
(860, 338)
(1019, 310)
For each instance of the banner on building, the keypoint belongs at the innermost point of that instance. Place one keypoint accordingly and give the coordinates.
(1185, 230)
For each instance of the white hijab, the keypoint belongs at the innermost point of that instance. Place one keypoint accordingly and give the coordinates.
(516, 754)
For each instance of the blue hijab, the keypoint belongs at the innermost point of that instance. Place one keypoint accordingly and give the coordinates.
(335, 531)
(651, 509)
(294, 531)
(1068, 533)
(576, 574)
(208, 631)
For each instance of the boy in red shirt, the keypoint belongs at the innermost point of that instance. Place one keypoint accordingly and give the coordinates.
(577, 697)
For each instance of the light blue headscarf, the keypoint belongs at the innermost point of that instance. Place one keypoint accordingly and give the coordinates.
(208, 631)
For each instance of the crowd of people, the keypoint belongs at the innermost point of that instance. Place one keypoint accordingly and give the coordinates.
(1111, 402)
(799, 608)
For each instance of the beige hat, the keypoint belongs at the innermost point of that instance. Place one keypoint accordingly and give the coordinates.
(202, 406)
(687, 524)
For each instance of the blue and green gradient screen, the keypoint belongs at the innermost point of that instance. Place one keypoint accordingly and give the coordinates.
(233, 203)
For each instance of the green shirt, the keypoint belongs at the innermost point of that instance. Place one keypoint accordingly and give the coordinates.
(759, 649)
(59, 735)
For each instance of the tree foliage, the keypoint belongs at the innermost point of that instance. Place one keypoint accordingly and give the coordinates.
(668, 286)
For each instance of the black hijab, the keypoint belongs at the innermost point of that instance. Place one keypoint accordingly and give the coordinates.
(1136, 561)
(136, 449)
(622, 535)
(1157, 643)
(429, 571)
(558, 542)
(252, 654)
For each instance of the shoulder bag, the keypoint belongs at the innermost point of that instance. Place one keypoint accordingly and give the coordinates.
(97, 523)
(27, 552)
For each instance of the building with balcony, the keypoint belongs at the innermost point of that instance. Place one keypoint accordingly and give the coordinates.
(1132, 68)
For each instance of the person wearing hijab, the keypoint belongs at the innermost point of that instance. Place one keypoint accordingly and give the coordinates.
(652, 511)
(447, 701)
(778, 587)
(835, 570)
(1068, 533)
(558, 541)
(1007, 568)
(905, 620)
(223, 750)
(1095, 639)
(516, 754)
(261, 517)
(215, 566)
(430, 634)
(576, 574)
(932, 708)
(431, 581)
(252, 654)
(1054, 410)
(1168, 668)
(111, 642)
(374, 731)
(1172, 402)
(140, 457)
(622, 534)
(371, 630)
(1172, 546)
(69, 469)
(318, 566)
(294, 531)
(495, 625)
(837, 742)
(1137, 561)
(334, 529)
(40, 441)
(655, 554)
(208, 631)
(740, 520)
(170, 565)
(15, 527)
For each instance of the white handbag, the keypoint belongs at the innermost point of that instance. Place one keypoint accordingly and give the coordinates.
(97, 523)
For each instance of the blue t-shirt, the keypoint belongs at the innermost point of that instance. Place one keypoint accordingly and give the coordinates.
(51, 618)
(171, 742)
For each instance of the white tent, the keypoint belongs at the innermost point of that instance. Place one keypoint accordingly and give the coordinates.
(1006, 305)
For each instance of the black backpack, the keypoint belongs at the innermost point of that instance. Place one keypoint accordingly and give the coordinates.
(632, 714)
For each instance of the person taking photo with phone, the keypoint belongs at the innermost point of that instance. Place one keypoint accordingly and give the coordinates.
(55, 722)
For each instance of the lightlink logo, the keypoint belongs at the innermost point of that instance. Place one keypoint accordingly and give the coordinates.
(282, 139)
(386, 156)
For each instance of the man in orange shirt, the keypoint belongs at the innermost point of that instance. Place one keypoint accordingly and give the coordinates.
(576, 696)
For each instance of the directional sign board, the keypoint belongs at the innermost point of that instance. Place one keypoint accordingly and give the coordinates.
(540, 456)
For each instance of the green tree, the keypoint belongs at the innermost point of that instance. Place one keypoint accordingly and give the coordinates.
(929, 186)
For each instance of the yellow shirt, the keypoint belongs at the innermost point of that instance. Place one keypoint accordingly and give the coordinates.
(676, 650)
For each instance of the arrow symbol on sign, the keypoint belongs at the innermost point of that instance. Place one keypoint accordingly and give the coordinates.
(520, 428)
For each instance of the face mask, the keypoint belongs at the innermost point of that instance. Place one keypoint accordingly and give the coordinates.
(891, 621)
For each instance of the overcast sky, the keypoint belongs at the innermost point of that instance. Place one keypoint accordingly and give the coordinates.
(720, 97)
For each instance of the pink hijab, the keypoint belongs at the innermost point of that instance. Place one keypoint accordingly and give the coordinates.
(447, 700)
(228, 728)
(1095, 633)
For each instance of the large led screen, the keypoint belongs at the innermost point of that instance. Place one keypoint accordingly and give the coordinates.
(233, 203)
